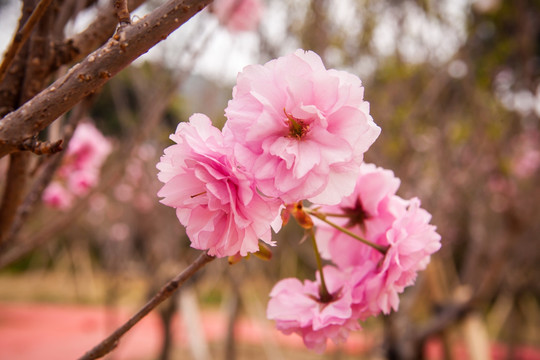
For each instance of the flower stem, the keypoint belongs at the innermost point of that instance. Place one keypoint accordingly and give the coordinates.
(379, 248)
(325, 296)
(337, 215)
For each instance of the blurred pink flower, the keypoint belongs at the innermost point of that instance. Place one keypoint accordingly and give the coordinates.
(411, 241)
(526, 164)
(79, 182)
(370, 209)
(56, 196)
(88, 148)
(376, 214)
(216, 202)
(300, 129)
(82, 162)
(525, 159)
(238, 15)
(297, 308)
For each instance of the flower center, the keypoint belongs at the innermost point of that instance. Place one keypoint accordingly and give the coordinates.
(357, 215)
(297, 128)
(324, 300)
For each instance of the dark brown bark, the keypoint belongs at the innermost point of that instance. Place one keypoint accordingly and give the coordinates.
(95, 35)
(93, 72)
(33, 80)
(122, 12)
(22, 35)
(13, 192)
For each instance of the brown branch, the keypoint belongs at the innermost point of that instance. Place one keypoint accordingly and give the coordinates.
(29, 243)
(41, 147)
(122, 12)
(13, 192)
(35, 75)
(110, 343)
(22, 35)
(36, 190)
(85, 77)
(95, 35)
(448, 315)
(26, 243)
(10, 87)
(67, 10)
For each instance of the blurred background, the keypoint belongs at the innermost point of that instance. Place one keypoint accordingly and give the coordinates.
(455, 87)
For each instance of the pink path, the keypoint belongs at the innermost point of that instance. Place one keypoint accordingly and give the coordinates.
(37, 331)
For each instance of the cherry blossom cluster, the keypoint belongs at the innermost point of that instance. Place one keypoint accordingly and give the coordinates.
(295, 132)
(238, 15)
(377, 243)
(80, 167)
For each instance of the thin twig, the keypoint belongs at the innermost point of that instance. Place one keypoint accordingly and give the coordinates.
(97, 33)
(324, 294)
(110, 343)
(122, 12)
(41, 147)
(379, 248)
(450, 314)
(28, 242)
(22, 35)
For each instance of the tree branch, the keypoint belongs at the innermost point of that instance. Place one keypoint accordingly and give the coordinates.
(99, 31)
(45, 177)
(448, 315)
(13, 192)
(93, 72)
(41, 147)
(22, 35)
(122, 12)
(108, 344)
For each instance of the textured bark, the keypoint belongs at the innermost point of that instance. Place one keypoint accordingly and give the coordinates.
(34, 79)
(13, 192)
(22, 35)
(95, 35)
(10, 86)
(122, 12)
(93, 72)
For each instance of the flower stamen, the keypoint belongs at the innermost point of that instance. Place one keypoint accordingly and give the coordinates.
(199, 194)
(357, 215)
(297, 128)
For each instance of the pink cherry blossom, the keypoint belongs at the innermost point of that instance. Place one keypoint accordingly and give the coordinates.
(216, 201)
(56, 196)
(79, 182)
(370, 209)
(296, 307)
(84, 157)
(238, 15)
(81, 165)
(299, 128)
(88, 148)
(411, 241)
(375, 213)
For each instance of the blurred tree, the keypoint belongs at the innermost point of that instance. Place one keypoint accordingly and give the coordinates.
(455, 87)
